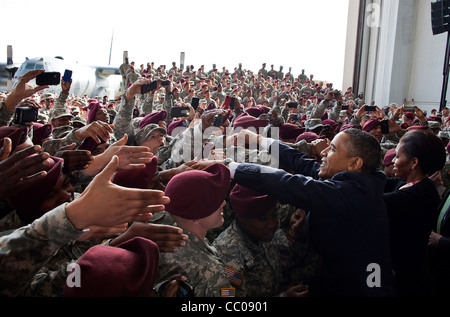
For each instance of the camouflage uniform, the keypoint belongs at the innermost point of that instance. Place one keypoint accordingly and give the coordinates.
(319, 110)
(302, 77)
(132, 76)
(298, 261)
(123, 72)
(60, 102)
(161, 104)
(175, 153)
(53, 145)
(49, 281)
(219, 94)
(200, 263)
(147, 104)
(30, 247)
(254, 269)
(184, 94)
(123, 120)
(5, 115)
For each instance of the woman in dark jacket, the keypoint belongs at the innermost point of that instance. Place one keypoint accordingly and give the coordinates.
(412, 202)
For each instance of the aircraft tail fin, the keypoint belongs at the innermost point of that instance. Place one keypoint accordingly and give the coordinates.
(9, 55)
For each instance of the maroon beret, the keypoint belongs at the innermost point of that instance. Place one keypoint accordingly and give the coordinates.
(290, 131)
(307, 136)
(196, 194)
(371, 124)
(136, 178)
(349, 126)
(246, 121)
(417, 127)
(255, 111)
(333, 124)
(16, 134)
(176, 124)
(41, 132)
(248, 203)
(26, 200)
(154, 117)
(93, 109)
(127, 270)
(388, 157)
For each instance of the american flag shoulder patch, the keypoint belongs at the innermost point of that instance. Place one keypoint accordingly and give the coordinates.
(234, 276)
(227, 292)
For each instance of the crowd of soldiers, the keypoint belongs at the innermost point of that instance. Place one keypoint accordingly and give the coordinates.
(129, 197)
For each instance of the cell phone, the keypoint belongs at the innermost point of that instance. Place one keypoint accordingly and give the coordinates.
(67, 75)
(409, 109)
(292, 104)
(165, 83)
(232, 102)
(186, 290)
(23, 115)
(370, 108)
(295, 117)
(218, 120)
(194, 102)
(229, 102)
(384, 124)
(148, 87)
(48, 78)
(179, 112)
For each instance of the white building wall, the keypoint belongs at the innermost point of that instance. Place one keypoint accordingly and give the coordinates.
(402, 58)
(426, 76)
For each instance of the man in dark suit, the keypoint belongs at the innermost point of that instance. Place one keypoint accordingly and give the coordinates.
(347, 220)
(439, 243)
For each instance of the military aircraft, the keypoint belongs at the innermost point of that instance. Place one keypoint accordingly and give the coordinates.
(86, 80)
(7, 71)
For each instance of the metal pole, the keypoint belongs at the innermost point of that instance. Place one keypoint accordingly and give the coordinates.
(110, 48)
(446, 74)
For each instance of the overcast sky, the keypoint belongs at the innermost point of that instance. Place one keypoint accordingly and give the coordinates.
(302, 34)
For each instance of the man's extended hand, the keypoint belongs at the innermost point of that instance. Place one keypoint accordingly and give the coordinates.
(21, 169)
(168, 238)
(105, 204)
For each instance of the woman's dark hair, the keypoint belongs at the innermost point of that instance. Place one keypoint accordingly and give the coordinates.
(366, 146)
(427, 147)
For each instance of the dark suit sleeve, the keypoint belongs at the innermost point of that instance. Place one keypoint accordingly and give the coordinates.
(294, 160)
(298, 190)
(444, 243)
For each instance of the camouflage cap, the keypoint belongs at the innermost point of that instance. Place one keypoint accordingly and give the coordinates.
(47, 95)
(314, 123)
(144, 133)
(59, 113)
(434, 125)
(111, 112)
(81, 102)
(61, 132)
(135, 123)
(79, 119)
